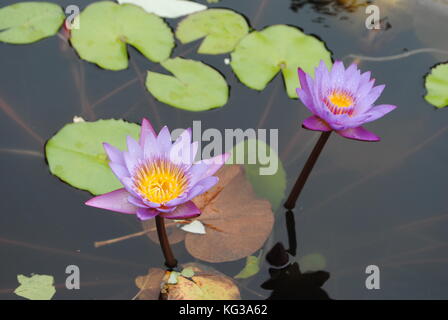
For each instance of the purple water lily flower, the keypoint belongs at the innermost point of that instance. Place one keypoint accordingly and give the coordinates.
(341, 100)
(159, 177)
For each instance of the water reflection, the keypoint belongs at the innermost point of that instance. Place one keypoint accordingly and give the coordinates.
(287, 281)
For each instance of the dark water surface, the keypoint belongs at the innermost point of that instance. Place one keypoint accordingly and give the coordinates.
(383, 204)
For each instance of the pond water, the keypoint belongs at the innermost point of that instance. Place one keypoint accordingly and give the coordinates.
(365, 204)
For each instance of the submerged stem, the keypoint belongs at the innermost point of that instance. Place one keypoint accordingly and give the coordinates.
(170, 261)
(301, 180)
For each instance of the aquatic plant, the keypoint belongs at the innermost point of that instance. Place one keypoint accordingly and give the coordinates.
(341, 100)
(159, 178)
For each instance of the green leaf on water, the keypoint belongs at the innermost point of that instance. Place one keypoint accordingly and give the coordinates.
(36, 287)
(312, 262)
(436, 84)
(194, 85)
(251, 268)
(106, 28)
(27, 22)
(262, 54)
(221, 28)
(263, 169)
(76, 154)
(187, 272)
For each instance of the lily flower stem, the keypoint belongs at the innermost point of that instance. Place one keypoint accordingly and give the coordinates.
(301, 180)
(170, 261)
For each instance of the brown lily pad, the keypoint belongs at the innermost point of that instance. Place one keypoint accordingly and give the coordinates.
(237, 223)
(204, 284)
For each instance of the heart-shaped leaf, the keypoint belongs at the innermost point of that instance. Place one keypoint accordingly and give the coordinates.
(76, 154)
(436, 84)
(168, 8)
(194, 85)
(27, 22)
(262, 54)
(106, 28)
(222, 29)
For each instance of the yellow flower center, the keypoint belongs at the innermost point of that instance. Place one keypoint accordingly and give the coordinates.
(160, 181)
(340, 102)
(340, 99)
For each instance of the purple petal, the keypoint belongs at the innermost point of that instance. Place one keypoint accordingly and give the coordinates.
(184, 211)
(146, 130)
(366, 102)
(379, 111)
(146, 214)
(114, 201)
(164, 140)
(175, 202)
(151, 148)
(131, 162)
(202, 186)
(119, 170)
(207, 167)
(359, 133)
(134, 148)
(337, 74)
(114, 154)
(316, 124)
(137, 202)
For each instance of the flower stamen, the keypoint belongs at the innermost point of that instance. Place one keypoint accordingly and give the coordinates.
(160, 181)
(340, 102)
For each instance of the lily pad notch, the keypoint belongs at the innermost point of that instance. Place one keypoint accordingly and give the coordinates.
(107, 27)
(279, 48)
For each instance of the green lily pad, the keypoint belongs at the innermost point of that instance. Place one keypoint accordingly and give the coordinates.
(436, 84)
(76, 154)
(262, 54)
(106, 27)
(222, 29)
(267, 186)
(195, 86)
(251, 268)
(27, 22)
(312, 262)
(36, 287)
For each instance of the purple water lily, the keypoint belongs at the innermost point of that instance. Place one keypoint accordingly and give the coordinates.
(341, 100)
(159, 177)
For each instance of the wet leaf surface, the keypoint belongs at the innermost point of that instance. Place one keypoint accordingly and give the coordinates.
(221, 29)
(262, 54)
(106, 28)
(36, 287)
(436, 84)
(194, 85)
(28, 22)
(76, 154)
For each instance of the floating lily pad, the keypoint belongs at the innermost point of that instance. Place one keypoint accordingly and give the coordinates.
(222, 29)
(236, 221)
(437, 86)
(251, 268)
(267, 186)
(262, 54)
(36, 287)
(27, 22)
(194, 85)
(312, 262)
(204, 283)
(168, 8)
(106, 28)
(76, 154)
